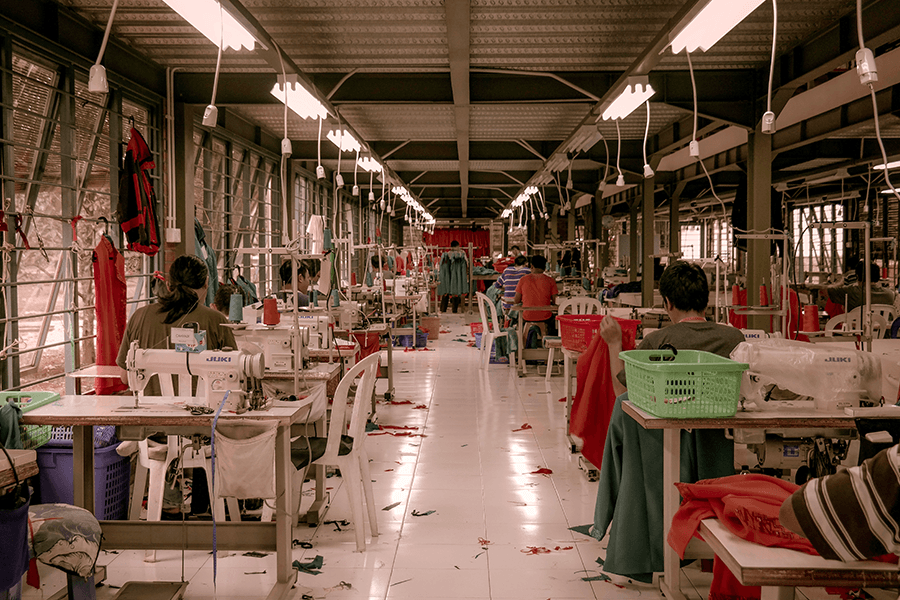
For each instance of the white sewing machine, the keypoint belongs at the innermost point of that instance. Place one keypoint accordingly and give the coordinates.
(276, 344)
(790, 374)
(219, 372)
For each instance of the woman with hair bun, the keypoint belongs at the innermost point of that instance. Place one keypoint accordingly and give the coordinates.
(180, 304)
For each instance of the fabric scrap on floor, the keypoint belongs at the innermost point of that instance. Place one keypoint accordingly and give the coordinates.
(585, 529)
(312, 567)
(542, 471)
(524, 427)
(390, 506)
(416, 513)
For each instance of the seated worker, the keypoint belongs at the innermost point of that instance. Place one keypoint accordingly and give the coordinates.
(379, 265)
(537, 289)
(510, 278)
(179, 304)
(314, 267)
(855, 295)
(629, 499)
(222, 299)
(515, 252)
(302, 281)
(853, 514)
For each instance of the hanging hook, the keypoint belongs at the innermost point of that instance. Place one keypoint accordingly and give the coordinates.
(131, 121)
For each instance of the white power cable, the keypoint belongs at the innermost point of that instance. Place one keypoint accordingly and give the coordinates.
(112, 14)
(648, 172)
(768, 120)
(621, 180)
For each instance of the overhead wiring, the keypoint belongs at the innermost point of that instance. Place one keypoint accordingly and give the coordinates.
(620, 181)
(768, 120)
(648, 172)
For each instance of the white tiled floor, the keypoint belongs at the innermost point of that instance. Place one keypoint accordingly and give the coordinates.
(471, 468)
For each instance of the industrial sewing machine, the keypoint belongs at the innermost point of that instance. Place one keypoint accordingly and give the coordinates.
(276, 345)
(787, 374)
(219, 371)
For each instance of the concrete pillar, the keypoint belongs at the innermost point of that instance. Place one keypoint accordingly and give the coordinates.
(633, 253)
(184, 178)
(674, 225)
(647, 216)
(759, 218)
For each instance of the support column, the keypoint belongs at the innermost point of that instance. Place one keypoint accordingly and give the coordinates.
(633, 242)
(184, 179)
(648, 209)
(759, 218)
(68, 196)
(674, 225)
(9, 328)
(570, 233)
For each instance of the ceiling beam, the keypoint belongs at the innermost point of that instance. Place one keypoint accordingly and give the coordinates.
(457, 16)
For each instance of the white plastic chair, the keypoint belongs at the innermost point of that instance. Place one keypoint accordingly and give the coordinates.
(851, 321)
(353, 461)
(579, 305)
(490, 329)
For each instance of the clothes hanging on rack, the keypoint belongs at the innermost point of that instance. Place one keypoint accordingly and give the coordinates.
(316, 231)
(206, 253)
(136, 209)
(454, 278)
(111, 293)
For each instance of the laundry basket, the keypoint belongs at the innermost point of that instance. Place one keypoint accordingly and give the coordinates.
(689, 384)
(578, 331)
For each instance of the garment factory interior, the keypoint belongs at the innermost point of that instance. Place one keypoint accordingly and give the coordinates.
(355, 180)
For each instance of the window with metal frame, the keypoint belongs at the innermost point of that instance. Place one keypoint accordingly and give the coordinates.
(61, 186)
(818, 253)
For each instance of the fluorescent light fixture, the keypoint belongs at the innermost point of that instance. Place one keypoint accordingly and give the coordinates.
(344, 140)
(557, 162)
(369, 164)
(400, 190)
(716, 19)
(890, 165)
(584, 139)
(637, 91)
(204, 16)
(531, 190)
(889, 191)
(299, 100)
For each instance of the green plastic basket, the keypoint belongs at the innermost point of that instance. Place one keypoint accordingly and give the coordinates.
(688, 385)
(33, 436)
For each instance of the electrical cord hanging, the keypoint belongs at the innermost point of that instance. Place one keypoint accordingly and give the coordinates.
(620, 181)
(648, 172)
(772, 59)
(862, 47)
(219, 55)
(695, 148)
(112, 14)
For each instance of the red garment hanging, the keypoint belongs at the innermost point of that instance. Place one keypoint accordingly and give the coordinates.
(594, 400)
(111, 293)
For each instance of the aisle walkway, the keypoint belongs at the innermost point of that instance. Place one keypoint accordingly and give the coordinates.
(499, 530)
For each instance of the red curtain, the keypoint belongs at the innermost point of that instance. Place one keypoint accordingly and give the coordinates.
(480, 239)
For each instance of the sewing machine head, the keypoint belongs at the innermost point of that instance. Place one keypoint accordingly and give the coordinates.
(833, 378)
(276, 345)
(220, 372)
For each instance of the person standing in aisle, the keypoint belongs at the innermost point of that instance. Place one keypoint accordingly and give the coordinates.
(538, 289)
(454, 277)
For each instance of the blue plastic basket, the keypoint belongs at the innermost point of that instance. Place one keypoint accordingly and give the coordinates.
(112, 478)
(61, 436)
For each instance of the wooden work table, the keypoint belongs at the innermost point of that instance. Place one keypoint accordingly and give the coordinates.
(787, 418)
(169, 416)
(26, 466)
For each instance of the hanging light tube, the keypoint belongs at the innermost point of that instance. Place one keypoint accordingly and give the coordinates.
(711, 24)
(369, 164)
(299, 99)
(203, 15)
(344, 140)
(637, 90)
(890, 165)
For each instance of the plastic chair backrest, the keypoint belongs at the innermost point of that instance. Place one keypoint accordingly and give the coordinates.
(851, 320)
(580, 305)
(361, 406)
(492, 326)
(887, 311)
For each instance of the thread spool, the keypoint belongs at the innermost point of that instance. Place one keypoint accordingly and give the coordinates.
(270, 312)
(314, 297)
(236, 308)
(810, 318)
(352, 278)
(735, 295)
(335, 299)
(763, 296)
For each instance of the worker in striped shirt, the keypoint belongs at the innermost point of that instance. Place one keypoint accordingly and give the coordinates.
(510, 277)
(853, 514)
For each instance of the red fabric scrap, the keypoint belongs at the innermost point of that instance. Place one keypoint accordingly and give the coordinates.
(420, 406)
(398, 402)
(409, 427)
(535, 550)
(563, 399)
(484, 542)
(523, 427)
(542, 471)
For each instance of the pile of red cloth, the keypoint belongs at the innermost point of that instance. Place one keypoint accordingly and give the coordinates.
(748, 506)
